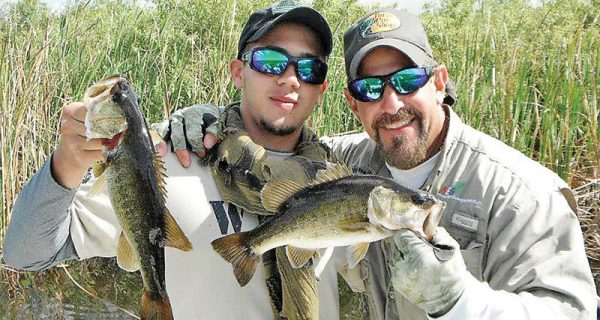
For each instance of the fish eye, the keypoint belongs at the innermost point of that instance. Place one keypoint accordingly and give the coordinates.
(417, 199)
(118, 97)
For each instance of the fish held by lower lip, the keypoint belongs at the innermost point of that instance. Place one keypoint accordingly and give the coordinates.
(337, 209)
(135, 180)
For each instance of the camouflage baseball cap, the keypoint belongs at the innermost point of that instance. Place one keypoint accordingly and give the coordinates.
(263, 21)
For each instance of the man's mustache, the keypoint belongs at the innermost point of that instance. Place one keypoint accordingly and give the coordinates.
(402, 114)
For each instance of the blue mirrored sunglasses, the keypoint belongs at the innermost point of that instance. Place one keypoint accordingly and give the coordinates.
(404, 81)
(271, 61)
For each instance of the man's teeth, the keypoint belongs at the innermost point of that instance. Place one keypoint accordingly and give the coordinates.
(397, 124)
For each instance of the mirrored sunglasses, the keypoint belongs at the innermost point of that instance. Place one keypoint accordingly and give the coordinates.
(274, 62)
(404, 81)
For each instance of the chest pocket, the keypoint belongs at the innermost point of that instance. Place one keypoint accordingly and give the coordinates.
(472, 244)
(465, 223)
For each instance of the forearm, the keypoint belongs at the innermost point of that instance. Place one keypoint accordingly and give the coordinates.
(479, 301)
(537, 263)
(64, 172)
(38, 234)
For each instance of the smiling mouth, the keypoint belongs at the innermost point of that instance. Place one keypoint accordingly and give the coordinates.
(287, 105)
(398, 124)
(285, 100)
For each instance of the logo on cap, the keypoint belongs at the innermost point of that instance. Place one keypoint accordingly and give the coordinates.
(284, 6)
(378, 22)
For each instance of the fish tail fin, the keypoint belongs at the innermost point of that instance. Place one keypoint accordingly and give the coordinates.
(235, 251)
(155, 309)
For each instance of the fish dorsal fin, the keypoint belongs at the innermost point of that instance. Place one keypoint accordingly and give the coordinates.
(276, 192)
(155, 136)
(161, 174)
(355, 253)
(98, 172)
(298, 257)
(337, 171)
(175, 236)
(126, 258)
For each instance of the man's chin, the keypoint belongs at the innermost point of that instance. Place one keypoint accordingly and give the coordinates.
(402, 156)
(278, 129)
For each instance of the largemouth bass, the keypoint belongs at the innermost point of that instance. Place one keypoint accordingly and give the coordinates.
(134, 176)
(337, 209)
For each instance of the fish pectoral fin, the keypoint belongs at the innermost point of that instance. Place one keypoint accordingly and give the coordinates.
(355, 253)
(98, 186)
(126, 258)
(175, 236)
(298, 257)
(276, 192)
(98, 169)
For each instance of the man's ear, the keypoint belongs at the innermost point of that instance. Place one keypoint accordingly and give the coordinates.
(324, 87)
(236, 67)
(352, 103)
(441, 78)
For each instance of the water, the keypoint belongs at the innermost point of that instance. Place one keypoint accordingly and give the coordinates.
(53, 294)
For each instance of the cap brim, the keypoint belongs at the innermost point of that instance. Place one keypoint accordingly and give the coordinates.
(416, 55)
(302, 15)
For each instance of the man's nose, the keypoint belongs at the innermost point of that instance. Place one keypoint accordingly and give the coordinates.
(391, 101)
(289, 77)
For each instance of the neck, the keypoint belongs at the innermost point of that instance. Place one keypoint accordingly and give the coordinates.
(269, 140)
(438, 143)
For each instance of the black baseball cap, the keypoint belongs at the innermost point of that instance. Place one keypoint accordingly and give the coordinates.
(263, 21)
(392, 28)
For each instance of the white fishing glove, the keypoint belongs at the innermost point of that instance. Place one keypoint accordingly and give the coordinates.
(430, 275)
(187, 127)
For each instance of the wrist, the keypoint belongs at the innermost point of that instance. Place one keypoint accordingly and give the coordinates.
(65, 173)
(468, 304)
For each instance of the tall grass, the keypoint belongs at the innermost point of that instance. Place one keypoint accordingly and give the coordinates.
(528, 76)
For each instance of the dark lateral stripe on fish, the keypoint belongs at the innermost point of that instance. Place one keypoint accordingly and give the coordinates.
(235, 251)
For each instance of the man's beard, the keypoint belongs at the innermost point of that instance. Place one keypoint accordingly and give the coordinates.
(277, 130)
(399, 154)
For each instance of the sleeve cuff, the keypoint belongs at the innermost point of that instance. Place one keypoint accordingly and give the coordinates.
(471, 303)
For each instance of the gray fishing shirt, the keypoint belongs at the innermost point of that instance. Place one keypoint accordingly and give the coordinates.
(515, 222)
(50, 224)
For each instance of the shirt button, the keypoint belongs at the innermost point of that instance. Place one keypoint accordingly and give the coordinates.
(391, 295)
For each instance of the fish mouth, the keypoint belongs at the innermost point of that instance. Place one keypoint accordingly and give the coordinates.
(100, 125)
(105, 118)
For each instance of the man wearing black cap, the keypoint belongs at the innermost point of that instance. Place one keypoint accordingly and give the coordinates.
(519, 250)
(281, 69)
(518, 246)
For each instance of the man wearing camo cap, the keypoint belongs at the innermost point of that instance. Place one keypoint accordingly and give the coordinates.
(519, 251)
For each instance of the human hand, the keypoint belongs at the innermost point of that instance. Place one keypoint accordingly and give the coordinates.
(193, 128)
(74, 154)
(432, 281)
